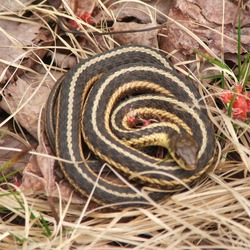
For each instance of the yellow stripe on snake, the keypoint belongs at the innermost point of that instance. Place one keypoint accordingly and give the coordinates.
(90, 109)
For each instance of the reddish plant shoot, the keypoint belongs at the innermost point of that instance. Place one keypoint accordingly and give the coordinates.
(239, 100)
(85, 16)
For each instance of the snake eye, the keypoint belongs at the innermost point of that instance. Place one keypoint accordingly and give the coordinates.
(177, 156)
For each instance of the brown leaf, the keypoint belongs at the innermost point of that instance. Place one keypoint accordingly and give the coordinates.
(16, 40)
(138, 11)
(10, 142)
(14, 5)
(212, 11)
(147, 38)
(30, 93)
(64, 61)
(38, 174)
(39, 177)
(81, 6)
(135, 16)
(203, 19)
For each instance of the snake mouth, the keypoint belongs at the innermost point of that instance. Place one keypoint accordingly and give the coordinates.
(187, 160)
(190, 167)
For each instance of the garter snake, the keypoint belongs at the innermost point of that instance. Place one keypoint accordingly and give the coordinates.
(88, 110)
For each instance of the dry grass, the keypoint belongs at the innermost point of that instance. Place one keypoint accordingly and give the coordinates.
(215, 214)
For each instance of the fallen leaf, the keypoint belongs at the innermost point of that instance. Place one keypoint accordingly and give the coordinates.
(16, 40)
(14, 5)
(212, 11)
(146, 38)
(64, 61)
(127, 17)
(81, 6)
(26, 97)
(143, 12)
(12, 162)
(204, 20)
(9, 141)
(39, 176)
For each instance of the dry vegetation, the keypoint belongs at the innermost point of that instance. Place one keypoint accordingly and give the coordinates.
(214, 214)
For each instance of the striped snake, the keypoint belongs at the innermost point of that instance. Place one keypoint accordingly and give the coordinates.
(90, 110)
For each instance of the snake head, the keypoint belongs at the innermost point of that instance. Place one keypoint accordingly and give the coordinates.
(185, 152)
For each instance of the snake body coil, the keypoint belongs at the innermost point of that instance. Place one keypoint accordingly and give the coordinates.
(90, 107)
